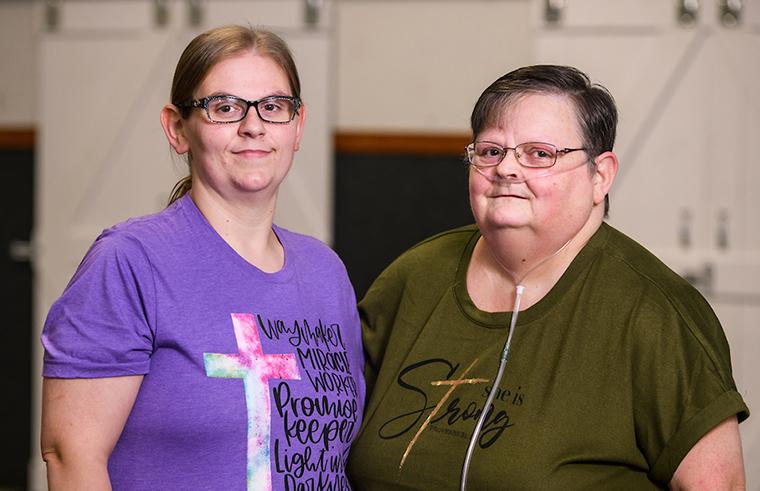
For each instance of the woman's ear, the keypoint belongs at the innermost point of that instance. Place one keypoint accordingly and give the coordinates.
(604, 175)
(174, 128)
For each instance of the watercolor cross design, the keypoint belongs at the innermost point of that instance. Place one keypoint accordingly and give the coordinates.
(255, 368)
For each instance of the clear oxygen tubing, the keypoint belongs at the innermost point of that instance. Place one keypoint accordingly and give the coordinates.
(519, 290)
(493, 177)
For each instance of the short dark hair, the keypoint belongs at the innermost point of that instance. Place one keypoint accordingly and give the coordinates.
(595, 108)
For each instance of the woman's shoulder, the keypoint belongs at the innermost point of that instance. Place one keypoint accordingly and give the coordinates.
(137, 242)
(307, 249)
(301, 241)
(161, 228)
(432, 261)
(442, 247)
(638, 263)
(648, 282)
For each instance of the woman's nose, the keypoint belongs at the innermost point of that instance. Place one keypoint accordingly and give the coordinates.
(252, 124)
(509, 165)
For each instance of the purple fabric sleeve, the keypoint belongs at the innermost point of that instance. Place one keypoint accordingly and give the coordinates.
(100, 325)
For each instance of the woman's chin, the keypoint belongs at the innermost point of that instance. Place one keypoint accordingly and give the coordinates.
(503, 221)
(257, 183)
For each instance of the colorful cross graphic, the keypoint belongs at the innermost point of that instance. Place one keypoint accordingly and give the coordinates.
(255, 368)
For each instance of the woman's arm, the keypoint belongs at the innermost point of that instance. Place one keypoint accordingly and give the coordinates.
(715, 462)
(81, 422)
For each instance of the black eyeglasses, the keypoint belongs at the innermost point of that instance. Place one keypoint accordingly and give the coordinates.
(278, 109)
(530, 154)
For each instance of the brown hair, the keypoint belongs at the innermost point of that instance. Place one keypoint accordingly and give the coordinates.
(209, 48)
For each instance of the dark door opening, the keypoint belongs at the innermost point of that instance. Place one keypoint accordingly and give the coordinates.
(16, 215)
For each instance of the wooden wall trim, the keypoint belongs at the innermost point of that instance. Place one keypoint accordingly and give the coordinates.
(17, 138)
(400, 143)
(345, 142)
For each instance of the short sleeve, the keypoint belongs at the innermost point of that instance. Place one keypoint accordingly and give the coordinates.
(683, 387)
(103, 323)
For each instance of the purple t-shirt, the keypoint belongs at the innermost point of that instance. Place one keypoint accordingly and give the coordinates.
(252, 379)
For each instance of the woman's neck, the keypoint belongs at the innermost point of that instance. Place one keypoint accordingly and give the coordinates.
(502, 260)
(246, 226)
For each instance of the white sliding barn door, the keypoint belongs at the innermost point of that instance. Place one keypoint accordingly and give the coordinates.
(106, 70)
(689, 166)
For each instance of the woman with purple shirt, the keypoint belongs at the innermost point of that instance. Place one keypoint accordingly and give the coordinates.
(204, 347)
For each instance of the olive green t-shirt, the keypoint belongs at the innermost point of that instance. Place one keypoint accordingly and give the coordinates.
(611, 378)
